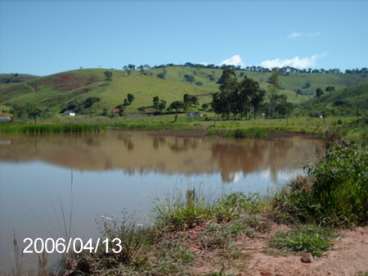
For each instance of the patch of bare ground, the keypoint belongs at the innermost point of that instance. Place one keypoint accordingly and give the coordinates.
(349, 256)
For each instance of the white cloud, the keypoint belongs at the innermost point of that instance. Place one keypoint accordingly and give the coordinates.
(296, 62)
(296, 35)
(235, 60)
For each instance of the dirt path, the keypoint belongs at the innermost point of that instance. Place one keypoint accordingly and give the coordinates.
(349, 256)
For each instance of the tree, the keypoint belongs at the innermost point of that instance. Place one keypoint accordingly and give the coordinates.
(131, 67)
(32, 112)
(90, 101)
(189, 78)
(177, 106)
(158, 104)
(205, 106)
(330, 89)
(130, 98)
(250, 96)
(319, 92)
(189, 100)
(280, 106)
(228, 75)
(108, 75)
(237, 98)
(222, 101)
(162, 106)
(274, 78)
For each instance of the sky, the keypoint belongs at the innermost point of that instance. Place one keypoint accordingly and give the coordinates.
(45, 37)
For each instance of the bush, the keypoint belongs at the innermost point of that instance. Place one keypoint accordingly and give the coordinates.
(307, 238)
(339, 194)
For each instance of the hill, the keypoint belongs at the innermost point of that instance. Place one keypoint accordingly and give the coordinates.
(15, 78)
(348, 101)
(56, 92)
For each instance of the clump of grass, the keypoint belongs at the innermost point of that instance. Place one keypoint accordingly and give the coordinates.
(337, 193)
(234, 205)
(307, 238)
(182, 213)
(133, 238)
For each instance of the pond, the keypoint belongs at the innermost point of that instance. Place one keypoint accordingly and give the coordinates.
(53, 184)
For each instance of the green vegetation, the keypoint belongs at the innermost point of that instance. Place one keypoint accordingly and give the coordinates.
(338, 194)
(170, 83)
(52, 128)
(181, 214)
(349, 101)
(237, 98)
(305, 238)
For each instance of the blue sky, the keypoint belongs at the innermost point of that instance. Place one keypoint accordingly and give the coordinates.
(44, 37)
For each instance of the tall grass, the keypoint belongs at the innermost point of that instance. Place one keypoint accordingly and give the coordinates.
(183, 213)
(51, 128)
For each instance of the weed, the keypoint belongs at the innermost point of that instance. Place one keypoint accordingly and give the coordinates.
(307, 238)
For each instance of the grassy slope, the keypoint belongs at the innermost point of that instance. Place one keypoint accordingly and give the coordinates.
(55, 91)
(346, 101)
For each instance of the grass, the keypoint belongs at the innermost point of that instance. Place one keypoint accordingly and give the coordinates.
(305, 238)
(210, 125)
(50, 128)
(181, 214)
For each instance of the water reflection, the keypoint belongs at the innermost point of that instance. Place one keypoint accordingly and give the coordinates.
(142, 152)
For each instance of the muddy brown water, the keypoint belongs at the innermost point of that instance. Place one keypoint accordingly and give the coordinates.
(47, 182)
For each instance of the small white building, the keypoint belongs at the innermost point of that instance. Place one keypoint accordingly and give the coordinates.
(5, 119)
(69, 113)
(194, 114)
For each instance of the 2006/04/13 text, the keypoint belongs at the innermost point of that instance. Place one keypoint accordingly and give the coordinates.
(75, 245)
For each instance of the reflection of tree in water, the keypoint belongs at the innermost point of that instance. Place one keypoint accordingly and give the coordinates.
(278, 151)
(250, 156)
(91, 141)
(127, 141)
(183, 144)
(158, 141)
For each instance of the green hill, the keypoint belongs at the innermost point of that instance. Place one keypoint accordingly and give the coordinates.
(348, 101)
(170, 83)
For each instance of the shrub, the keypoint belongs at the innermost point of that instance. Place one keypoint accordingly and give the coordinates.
(339, 194)
(341, 185)
(307, 238)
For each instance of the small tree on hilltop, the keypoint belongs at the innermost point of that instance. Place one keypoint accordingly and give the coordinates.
(319, 92)
(130, 98)
(108, 75)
